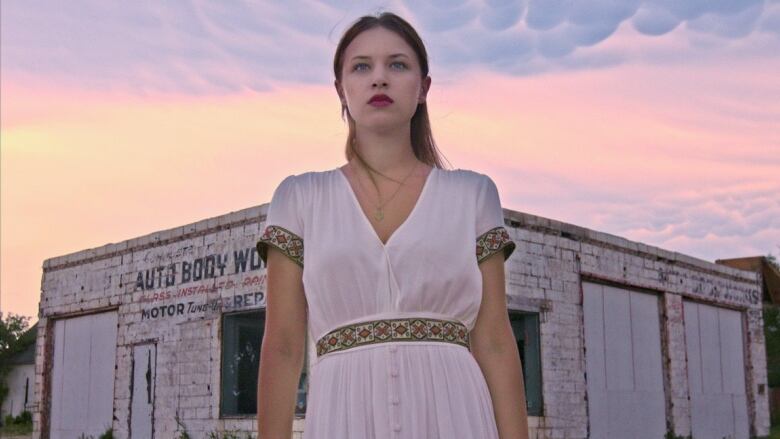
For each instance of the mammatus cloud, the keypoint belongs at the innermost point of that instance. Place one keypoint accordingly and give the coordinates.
(674, 145)
(714, 222)
(207, 47)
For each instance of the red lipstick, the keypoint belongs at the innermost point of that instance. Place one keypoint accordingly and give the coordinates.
(380, 100)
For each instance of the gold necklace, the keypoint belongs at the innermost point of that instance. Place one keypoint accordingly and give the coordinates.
(379, 215)
(370, 169)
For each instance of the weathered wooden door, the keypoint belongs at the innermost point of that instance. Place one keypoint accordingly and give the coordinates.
(623, 363)
(143, 388)
(82, 393)
(716, 371)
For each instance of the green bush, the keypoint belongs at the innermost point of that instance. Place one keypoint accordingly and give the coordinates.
(16, 429)
(19, 424)
(181, 429)
(772, 340)
(14, 338)
(108, 434)
(24, 417)
(228, 434)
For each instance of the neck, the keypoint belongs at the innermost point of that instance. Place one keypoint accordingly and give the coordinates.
(389, 152)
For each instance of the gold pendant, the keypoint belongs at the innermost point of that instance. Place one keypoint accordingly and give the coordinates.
(379, 215)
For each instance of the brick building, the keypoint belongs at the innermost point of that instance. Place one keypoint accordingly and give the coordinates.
(160, 334)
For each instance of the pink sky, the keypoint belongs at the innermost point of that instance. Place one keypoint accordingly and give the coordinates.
(679, 154)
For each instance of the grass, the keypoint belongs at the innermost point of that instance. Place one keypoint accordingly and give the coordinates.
(16, 429)
(774, 432)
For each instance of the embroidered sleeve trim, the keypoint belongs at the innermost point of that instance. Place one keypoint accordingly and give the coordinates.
(288, 242)
(493, 241)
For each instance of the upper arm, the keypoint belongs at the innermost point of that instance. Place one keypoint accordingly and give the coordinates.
(492, 329)
(281, 247)
(286, 309)
(491, 235)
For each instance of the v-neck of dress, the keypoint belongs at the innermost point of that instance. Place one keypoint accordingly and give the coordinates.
(370, 226)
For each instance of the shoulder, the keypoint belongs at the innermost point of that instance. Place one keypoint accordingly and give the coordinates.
(308, 186)
(308, 179)
(467, 178)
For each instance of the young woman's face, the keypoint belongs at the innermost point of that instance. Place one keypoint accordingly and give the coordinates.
(379, 61)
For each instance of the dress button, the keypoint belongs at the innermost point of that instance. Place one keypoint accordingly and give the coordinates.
(397, 427)
(393, 348)
(395, 400)
(393, 373)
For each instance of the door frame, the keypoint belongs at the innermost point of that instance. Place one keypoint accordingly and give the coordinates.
(153, 342)
(48, 361)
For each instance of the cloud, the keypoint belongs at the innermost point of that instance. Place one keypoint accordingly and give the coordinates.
(443, 15)
(736, 25)
(740, 219)
(771, 20)
(546, 14)
(184, 47)
(499, 15)
(223, 47)
(653, 19)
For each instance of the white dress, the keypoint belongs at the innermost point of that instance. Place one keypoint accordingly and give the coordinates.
(403, 387)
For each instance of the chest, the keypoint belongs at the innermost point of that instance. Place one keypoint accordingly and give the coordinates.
(386, 216)
(386, 205)
(432, 234)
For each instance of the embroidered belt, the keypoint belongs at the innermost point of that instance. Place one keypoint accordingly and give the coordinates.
(386, 330)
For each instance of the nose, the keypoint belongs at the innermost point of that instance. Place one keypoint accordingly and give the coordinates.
(379, 78)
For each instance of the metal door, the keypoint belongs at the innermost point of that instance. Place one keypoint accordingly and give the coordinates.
(82, 393)
(144, 372)
(623, 363)
(716, 371)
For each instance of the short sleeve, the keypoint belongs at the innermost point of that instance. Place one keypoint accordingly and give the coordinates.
(492, 236)
(283, 225)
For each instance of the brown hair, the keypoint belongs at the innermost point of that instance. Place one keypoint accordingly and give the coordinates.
(423, 146)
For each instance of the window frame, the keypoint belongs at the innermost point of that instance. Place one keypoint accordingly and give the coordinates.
(531, 360)
(224, 317)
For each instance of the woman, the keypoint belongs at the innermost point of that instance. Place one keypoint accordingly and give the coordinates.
(411, 327)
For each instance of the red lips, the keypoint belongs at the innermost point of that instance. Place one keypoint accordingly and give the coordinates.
(380, 98)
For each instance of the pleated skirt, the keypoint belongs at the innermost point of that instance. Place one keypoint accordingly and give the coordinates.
(410, 390)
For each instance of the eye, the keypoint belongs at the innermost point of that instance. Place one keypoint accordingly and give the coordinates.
(402, 64)
(356, 66)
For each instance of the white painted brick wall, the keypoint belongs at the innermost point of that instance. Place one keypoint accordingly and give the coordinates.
(544, 275)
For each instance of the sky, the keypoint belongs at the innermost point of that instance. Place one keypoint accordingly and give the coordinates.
(657, 121)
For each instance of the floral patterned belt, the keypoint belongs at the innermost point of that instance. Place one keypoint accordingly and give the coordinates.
(387, 330)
